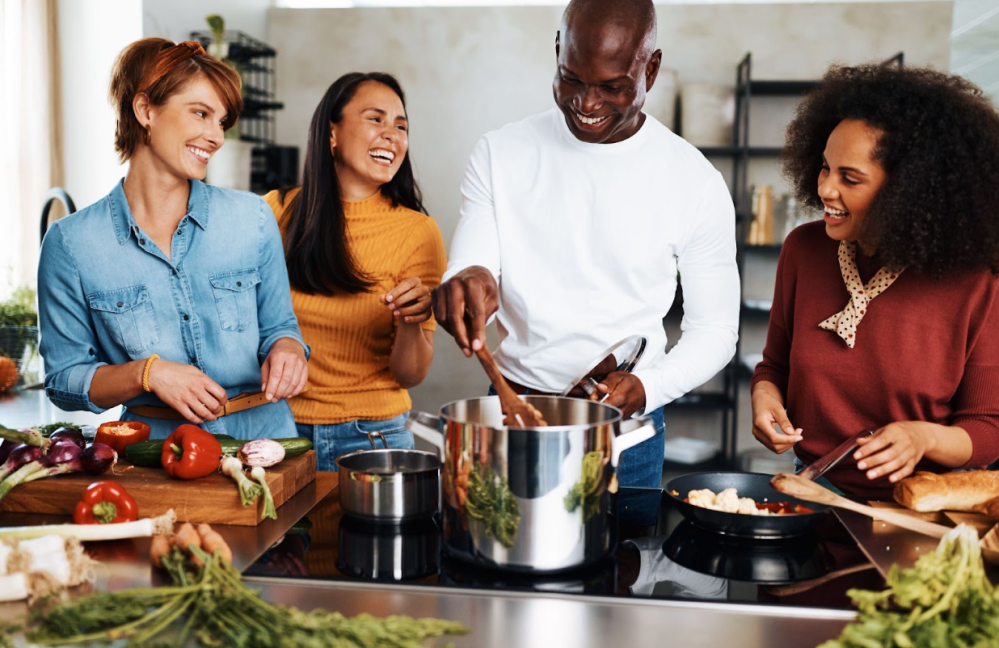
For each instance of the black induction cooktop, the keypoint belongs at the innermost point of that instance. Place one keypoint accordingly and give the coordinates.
(659, 554)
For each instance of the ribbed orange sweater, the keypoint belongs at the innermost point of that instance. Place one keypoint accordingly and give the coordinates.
(351, 335)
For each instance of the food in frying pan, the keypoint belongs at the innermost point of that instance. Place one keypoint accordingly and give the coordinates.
(728, 501)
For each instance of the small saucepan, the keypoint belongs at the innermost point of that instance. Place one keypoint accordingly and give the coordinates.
(754, 485)
(389, 484)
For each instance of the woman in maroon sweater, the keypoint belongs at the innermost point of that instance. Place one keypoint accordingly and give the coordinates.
(885, 314)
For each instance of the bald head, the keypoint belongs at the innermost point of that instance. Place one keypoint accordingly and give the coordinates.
(607, 61)
(633, 20)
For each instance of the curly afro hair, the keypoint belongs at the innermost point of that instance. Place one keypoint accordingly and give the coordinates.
(938, 210)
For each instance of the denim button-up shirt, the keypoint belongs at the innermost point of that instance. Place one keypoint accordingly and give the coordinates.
(108, 295)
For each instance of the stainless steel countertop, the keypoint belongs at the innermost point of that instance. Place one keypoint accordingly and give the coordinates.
(526, 620)
(27, 407)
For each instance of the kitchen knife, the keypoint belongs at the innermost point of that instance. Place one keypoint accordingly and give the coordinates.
(821, 465)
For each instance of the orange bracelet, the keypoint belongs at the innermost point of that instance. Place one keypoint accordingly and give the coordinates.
(145, 371)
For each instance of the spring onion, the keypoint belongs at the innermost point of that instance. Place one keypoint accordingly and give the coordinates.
(269, 511)
(162, 524)
(248, 490)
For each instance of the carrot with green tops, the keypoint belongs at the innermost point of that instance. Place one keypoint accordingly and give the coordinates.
(212, 542)
(159, 547)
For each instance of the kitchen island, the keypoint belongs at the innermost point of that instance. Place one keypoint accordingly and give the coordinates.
(667, 583)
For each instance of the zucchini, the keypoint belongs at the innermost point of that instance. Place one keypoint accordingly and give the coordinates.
(147, 453)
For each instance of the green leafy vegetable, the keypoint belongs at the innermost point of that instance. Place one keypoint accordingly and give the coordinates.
(944, 601)
(47, 430)
(212, 605)
(490, 500)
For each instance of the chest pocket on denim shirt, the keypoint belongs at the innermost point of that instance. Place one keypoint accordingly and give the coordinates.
(236, 298)
(128, 317)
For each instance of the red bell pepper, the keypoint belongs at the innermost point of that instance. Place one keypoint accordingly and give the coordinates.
(191, 452)
(105, 502)
(118, 434)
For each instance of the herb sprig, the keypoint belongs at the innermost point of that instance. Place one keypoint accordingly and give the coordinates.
(944, 600)
(212, 605)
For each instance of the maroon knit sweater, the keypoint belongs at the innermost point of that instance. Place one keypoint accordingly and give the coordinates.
(926, 350)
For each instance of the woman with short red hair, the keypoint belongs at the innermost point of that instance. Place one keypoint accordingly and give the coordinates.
(171, 296)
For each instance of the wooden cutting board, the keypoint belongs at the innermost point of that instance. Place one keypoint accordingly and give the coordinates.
(213, 499)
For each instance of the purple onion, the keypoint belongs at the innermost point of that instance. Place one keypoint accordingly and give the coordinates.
(98, 458)
(25, 461)
(69, 434)
(5, 448)
(63, 457)
(62, 452)
(19, 455)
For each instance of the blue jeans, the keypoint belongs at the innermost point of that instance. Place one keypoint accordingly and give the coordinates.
(331, 441)
(643, 464)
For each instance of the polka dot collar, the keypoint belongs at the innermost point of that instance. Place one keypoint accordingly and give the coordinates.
(845, 322)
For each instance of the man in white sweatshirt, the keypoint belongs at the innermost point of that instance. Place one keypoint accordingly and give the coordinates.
(577, 223)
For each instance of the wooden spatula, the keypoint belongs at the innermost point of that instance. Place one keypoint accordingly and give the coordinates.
(515, 410)
(810, 491)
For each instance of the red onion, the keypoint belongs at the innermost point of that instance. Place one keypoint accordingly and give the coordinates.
(61, 453)
(5, 448)
(98, 458)
(19, 455)
(27, 461)
(69, 434)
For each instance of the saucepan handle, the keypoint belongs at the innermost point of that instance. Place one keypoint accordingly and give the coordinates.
(427, 427)
(633, 431)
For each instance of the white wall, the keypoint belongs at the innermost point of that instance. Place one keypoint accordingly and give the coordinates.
(468, 70)
(91, 34)
(176, 19)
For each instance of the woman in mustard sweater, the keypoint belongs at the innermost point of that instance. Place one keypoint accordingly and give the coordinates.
(362, 259)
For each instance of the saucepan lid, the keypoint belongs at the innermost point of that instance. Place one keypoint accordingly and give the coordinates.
(622, 356)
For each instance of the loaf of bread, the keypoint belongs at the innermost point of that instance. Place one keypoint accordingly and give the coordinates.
(953, 491)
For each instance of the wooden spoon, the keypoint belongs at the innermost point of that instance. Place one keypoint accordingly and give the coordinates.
(514, 409)
(804, 586)
(805, 489)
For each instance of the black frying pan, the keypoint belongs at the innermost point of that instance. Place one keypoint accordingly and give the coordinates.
(754, 485)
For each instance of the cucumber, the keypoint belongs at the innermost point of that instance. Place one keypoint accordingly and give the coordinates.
(147, 453)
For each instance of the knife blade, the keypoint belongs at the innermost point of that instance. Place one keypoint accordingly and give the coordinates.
(821, 465)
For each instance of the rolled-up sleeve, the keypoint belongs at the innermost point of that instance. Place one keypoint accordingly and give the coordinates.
(69, 344)
(275, 314)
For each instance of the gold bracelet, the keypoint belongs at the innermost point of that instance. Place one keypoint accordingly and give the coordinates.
(145, 371)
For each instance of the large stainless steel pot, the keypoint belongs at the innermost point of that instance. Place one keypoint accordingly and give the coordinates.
(390, 484)
(529, 499)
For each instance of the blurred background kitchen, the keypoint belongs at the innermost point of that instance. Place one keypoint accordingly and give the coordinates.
(732, 74)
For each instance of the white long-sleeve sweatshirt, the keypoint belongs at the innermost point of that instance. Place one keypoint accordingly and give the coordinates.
(586, 241)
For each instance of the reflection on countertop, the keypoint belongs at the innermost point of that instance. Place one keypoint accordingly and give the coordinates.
(28, 407)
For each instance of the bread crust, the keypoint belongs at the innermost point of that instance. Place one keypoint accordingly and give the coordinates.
(953, 491)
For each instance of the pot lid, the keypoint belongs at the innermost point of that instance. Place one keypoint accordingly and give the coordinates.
(622, 356)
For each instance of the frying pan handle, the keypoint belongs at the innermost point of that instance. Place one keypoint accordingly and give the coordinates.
(427, 427)
(633, 431)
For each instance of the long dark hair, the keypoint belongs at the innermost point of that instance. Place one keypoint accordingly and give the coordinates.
(315, 242)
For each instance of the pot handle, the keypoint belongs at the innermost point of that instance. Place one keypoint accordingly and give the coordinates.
(427, 427)
(633, 431)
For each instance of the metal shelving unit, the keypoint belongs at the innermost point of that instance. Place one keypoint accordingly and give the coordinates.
(273, 166)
